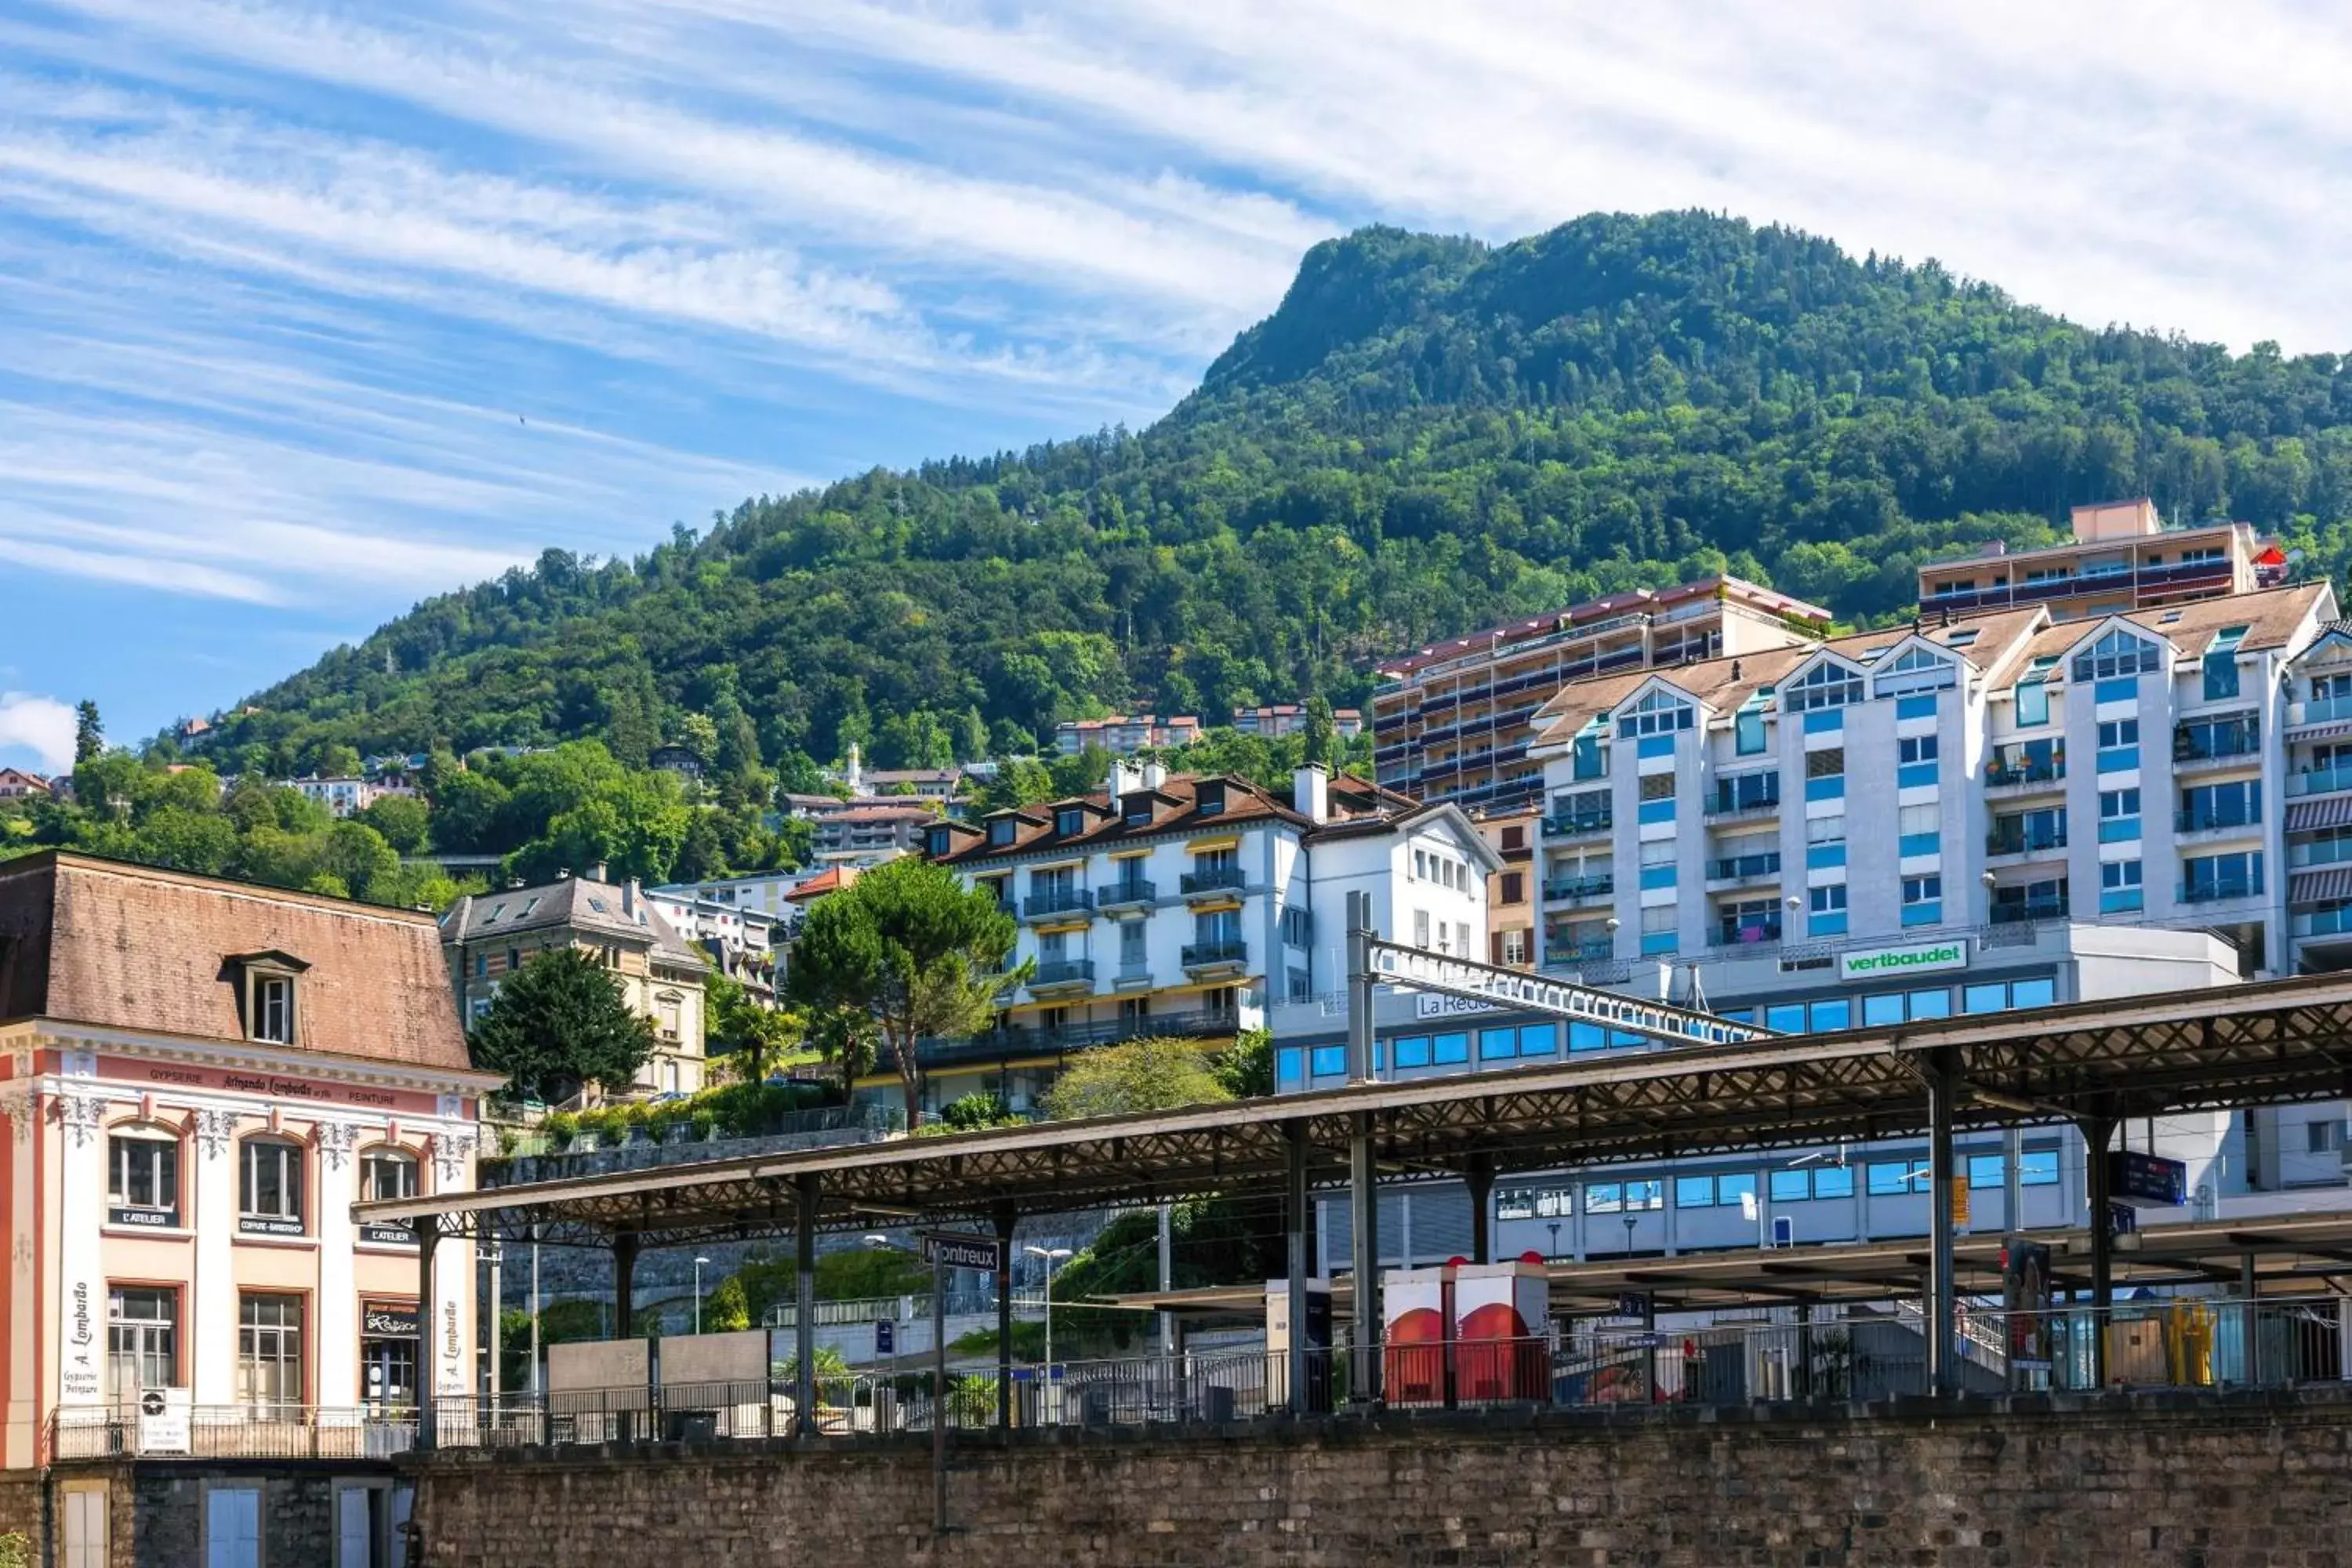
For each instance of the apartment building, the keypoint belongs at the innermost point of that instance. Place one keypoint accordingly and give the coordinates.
(203, 1077)
(1514, 933)
(486, 937)
(1177, 905)
(1123, 735)
(1276, 720)
(1948, 818)
(743, 944)
(869, 833)
(2122, 558)
(1453, 721)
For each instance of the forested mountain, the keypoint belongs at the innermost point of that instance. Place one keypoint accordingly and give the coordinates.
(1428, 435)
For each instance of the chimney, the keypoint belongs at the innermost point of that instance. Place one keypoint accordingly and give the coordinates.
(597, 872)
(1154, 776)
(1310, 792)
(630, 893)
(1125, 779)
(855, 775)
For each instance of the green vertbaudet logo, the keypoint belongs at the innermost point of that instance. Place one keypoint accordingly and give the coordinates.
(1903, 960)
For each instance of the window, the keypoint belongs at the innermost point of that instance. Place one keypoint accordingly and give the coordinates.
(273, 1008)
(268, 1350)
(2119, 886)
(1757, 790)
(1411, 1051)
(270, 1187)
(1658, 933)
(1833, 1182)
(143, 1338)
(1657, 713)
(2221, 664)
(1895, 1180)
(1748, 729)
(1694, 1192)
(1826, 685)
(938, 842)
(2209, 877)
(1913, 670)
(1792, 1186)
(2034, 692)
(1657, 786)
(1919, 830)
(1209, 797)
(1131, 946)
(1645, 1194)
(2038, 1168)
(387, 1173)
(1329, 1061)
(143, 1184)
(1825, 911)
(1916, 749)
(1825, 830)
(1069, 822)
(1515, 887)
(1923, 901)
(1497, 1045)
(1590, 756)
(1001, 831)
(1449, 1050)
(2117, 654)
(2322, 1137)
(2238, 804)
(1828, 762)
(2118, 815)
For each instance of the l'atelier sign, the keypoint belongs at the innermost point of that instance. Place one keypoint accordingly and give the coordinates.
(272, 1086)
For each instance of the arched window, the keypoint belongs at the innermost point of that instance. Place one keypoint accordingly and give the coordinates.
(143, 1176)
(387, 1173)
(1657, 713)
(269, 1186)
(1915, 669)
(2118, 653)
(1826, 685)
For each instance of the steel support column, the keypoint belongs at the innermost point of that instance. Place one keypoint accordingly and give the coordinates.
(1479, 1175)
(428, 1237)
(1943, 1088)
(1294, 1222)
(625, 1285)
(805, 1191)
(1006, 1216)
(1364, 1237)
(2097, 1133)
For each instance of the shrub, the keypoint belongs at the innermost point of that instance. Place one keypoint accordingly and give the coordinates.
(561, 1127)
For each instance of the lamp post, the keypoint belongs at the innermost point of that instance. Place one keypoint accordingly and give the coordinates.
(1051, 1256)
(698, 1293)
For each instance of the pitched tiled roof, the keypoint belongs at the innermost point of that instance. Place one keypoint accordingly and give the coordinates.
(1176, 809)
(577, 903)
(93, 941)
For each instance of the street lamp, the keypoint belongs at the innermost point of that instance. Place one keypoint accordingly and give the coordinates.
(1051, 1256)
(698, 1293)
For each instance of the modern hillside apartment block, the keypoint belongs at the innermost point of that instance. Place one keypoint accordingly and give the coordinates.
(1123, 734)
(203, 1077)
(2122, 558)
(1177, 905)
(1453, 721)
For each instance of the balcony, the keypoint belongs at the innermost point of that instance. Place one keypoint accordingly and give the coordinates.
(2220, 889)
(1755, 933)
(2197, 745)
(2204, 819)
(1132, 892)
(2018, 767)
(1735, 869)
(1230, 953)
(2320, 852)
(1580, 889)
(2323, 925)
(1578, 824)
(2019, 839)
(2327, 780)
(1211, 880)
(2318, 711)
(1058, 901)
(1064, 974)
(2021, 912)
(1002, 1045)
(1729, 801)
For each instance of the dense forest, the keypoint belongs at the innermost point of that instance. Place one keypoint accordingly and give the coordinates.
(1429, 433)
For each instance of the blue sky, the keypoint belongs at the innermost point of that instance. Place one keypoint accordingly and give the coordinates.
(311, 310)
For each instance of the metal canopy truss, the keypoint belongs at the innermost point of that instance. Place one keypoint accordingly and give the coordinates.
(2207, 1050)
(2288, 1254)
(1417, 969)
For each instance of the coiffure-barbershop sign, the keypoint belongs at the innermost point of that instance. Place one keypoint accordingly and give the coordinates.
(1871, 963)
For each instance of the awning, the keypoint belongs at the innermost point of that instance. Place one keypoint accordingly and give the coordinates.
(2310, 815)
(2330, 884)
(2322, 731)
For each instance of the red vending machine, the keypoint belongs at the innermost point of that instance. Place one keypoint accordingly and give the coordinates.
(1419, 1303)
(1502, 1321)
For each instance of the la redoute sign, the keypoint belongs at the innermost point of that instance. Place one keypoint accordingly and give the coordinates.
(1873, 962)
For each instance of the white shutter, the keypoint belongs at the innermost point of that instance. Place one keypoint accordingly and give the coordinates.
(354, 1547)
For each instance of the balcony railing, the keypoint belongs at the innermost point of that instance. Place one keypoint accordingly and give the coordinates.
(1735, 867)
(2321, 781)
(1128, 893)
(2318, 711)
(1732, 801)
(2019, 840)
(2202, 743)
(2321, 852)
(1004, 1044)
(1063, 971)
(2012, 765)
(1212, 879)
(2324, 923)
(1575, 823)
(1576, 889)
(2203, 819)
(2028, 911)
(1059, 901)
(1745, 933)
(2220, 889)
(245, 1432)
(1215, 954)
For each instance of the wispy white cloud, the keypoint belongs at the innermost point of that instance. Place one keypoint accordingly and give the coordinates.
(41, 725)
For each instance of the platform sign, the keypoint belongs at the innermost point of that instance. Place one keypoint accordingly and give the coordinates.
(885, 1337)
(2146, 1181)
(956, 1249)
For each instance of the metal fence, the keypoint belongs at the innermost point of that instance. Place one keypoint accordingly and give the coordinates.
(236, 1432)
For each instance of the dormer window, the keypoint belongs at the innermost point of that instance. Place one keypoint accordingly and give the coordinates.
(1209, 797)
(272, 1008)
(1070, 821)
(1826, 685)
(939, 843)
(1139, 812)
(1001, 831)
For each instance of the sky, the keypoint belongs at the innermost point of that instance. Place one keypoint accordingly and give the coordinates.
(309, 310)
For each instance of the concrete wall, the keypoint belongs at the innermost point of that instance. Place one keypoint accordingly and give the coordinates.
(2112, 1480)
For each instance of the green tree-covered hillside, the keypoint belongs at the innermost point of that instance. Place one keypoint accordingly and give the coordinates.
(1428, 435)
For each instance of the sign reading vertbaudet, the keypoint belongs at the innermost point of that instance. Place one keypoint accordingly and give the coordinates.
(1920, 960)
